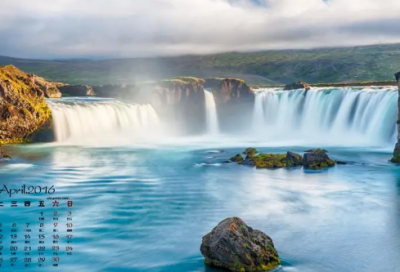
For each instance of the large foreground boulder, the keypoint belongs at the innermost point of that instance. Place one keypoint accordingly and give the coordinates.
(317, 159)
(235, 246)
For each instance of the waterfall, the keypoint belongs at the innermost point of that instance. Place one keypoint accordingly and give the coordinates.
(331, 116)
(211, 113)
(82, 118)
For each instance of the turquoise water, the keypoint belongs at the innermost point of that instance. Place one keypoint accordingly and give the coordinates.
(141, 209)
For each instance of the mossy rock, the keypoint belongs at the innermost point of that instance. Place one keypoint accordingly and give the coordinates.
(251, 151)
(317, 159)
(237, 158)
(235, 246)
(267, 160)
(191, 80)
(396, 154)
(293, 159)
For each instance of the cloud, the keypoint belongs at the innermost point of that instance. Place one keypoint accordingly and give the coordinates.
(125, 28)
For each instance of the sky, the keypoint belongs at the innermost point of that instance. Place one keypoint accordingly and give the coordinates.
(142, 28)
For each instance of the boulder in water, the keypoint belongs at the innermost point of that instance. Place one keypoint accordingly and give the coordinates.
(296, 86)
(237, 158)
(266, 160)
(249, 160)
(317, 159)
(293, 159)
(251, 151)
(235, 246)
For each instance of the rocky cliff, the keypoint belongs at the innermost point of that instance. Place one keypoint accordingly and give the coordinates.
(77, 90)
(396, 152)
(182, 99)
(235, 102)
(24, 115)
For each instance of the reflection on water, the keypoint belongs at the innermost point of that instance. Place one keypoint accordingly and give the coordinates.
(147, 209)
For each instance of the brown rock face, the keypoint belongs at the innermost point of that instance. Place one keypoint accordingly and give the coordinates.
(49, 88)
(229, 90)
(235, 246)
(183, 102)
(24, 115)
(77, 90)
(296, 86)
(235, 102)
(396, 152)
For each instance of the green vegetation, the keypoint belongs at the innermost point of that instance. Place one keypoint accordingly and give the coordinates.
(274, 67)
(237, 158)
(191, 80)
(24, 111)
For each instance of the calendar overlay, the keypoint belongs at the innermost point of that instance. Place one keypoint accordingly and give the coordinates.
(44, 239)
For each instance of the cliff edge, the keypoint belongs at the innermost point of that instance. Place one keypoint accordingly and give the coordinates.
(24, 114)
(396, 152)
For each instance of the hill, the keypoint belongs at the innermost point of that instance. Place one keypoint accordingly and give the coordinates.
(350, 64)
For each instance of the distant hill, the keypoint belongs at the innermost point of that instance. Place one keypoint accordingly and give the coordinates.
(350, 64)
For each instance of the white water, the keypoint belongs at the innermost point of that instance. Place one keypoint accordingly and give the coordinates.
(211, 113)
(324, 117)
(87, 119)
(330, 116)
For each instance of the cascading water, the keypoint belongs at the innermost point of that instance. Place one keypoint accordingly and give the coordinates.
(76, 119)
(347, 116)
(211, 113)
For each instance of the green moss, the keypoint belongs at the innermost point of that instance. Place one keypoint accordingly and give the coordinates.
(190, 80)
(270, 160)
(237, 158)
(23, 91)
(251, 151)
(319, 151)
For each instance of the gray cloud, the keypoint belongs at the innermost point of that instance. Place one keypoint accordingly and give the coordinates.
(124, 28)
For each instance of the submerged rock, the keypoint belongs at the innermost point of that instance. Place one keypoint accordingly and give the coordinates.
(341, 162)
(235, 246)
(317, 159)
(3, 155)
(237, 158)
(296, 86)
